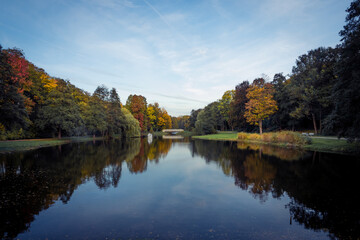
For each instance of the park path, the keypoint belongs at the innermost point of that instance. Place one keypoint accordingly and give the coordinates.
(331, 138)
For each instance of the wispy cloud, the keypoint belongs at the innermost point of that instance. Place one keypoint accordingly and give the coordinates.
(167, 22)
(181, 55)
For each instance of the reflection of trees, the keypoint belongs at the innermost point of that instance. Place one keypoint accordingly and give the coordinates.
(322, 187)
(158, 149)
(324, 194)
(259, 175)
(32, 181)
(282, 153)
(250, 171)
(149, 152)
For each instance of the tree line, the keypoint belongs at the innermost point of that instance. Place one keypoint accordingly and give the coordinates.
(151, 117)
(34, 104)
(322, 93)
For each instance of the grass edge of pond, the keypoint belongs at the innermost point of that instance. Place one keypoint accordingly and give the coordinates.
(318, 144)
(30, 144)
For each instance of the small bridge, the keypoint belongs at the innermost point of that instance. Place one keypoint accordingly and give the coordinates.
(172, 131)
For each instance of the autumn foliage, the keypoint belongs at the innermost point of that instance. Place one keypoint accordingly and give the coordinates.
(34, 104)
(261, 103)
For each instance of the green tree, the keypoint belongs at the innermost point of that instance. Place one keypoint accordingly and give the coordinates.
(60, 111)
(115, 116)
(132, 126)
(311, 83)
(345, 117)
(224, 108)
(96, 113)
(193, 118)
(207, 119)
(286, 103)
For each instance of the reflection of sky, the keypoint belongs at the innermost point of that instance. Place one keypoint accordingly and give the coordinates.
(183, 54)
(180, 196)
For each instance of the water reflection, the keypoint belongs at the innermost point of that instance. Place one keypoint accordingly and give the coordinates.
(322, 187)
(172, 137)
(32, 181)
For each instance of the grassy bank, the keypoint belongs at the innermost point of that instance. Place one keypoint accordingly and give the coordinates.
(333, 145)
(20, 145)
(325, 144)
(28, 144)
(222, 136)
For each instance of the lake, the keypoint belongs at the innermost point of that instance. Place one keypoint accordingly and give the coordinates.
(178, 189)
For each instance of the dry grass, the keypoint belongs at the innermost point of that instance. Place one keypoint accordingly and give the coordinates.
(283, 137)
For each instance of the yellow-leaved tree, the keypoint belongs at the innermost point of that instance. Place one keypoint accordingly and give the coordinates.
(261, 102)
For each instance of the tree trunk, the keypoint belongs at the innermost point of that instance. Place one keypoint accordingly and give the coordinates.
(320, 123)
(59, 133)
(260, 126)
(314, 122)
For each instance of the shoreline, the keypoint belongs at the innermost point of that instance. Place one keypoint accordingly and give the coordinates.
(319, 144)
(31, 144)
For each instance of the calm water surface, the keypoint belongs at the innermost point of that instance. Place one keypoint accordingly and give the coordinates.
(178, 189)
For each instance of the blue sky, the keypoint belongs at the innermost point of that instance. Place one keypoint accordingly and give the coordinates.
(182, 54)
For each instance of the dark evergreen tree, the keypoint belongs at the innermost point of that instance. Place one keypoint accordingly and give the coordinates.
(345, 118)
(115, 116)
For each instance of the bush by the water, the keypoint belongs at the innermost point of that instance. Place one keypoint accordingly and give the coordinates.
(254, 137)
(243, 136)
(287, 137)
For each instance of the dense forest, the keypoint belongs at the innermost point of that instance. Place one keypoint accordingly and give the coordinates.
(322, 94)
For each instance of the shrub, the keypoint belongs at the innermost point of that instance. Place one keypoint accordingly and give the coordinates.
(254, 137)
(292, 138)
(243, 136)
(266, 137)
(11, 134)
(286, 137)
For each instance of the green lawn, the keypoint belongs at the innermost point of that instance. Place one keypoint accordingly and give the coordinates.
(27, 144)
(17, 145)
(321, 144)
(333, 145)
(222, 136)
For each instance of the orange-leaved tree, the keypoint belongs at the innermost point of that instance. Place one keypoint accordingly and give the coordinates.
(261, 102)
